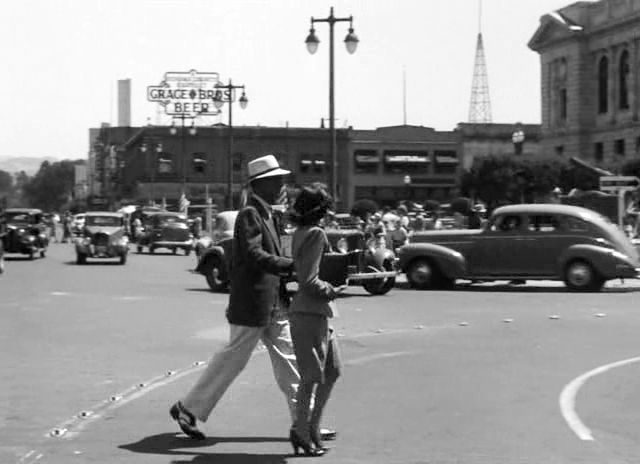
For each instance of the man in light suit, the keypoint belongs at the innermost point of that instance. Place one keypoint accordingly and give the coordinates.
(254, 312)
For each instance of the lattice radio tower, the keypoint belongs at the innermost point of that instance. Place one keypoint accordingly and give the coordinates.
(480, 106)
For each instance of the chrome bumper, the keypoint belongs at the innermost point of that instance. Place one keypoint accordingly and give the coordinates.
(372, 275)
(168, 244)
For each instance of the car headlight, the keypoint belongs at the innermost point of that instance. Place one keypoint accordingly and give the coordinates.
(86, 241)
(342, 246)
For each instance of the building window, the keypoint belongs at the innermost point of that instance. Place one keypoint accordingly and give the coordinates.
(560, 150)
(165, 163)
(603, 85)
(305, 164)
(446, 162)
(199, 162)
(598, 151)
(319, 164)
(405, 162)
(618, 147)
(623, 76)
(366, 161)
(561, 90)
(563, 104)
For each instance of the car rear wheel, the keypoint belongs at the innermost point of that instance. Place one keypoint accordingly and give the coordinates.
(123, 258)
(139, 248)
(152, 249)
(580, 276)
(81, 258)
(174, 250)
(380, 286)
(43, 253)
(424, 274)
(213, 276)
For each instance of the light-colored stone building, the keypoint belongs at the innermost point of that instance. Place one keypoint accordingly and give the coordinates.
(590, 80)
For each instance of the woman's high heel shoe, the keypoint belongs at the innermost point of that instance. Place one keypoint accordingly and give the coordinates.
(307, 447)
(316, 439)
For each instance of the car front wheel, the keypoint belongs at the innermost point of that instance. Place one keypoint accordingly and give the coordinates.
(380, 286)
(81, 258)
(213, 276)
(123, 258)
(580, 276)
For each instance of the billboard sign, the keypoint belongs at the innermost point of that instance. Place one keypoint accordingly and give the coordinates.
(186, 94)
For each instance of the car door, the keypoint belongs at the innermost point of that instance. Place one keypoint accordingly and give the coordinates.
(545, 242)
(497, 251)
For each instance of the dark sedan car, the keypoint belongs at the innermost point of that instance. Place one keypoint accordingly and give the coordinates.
(524, 242)
(165, 230)
(25, 232)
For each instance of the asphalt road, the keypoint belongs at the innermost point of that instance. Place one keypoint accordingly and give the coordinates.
(92, 356)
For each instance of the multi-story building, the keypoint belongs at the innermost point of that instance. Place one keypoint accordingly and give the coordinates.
(396, 163)
(158, 163)
(155, 164)
(590, 80)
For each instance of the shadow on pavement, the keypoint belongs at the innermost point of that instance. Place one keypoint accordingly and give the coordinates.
(514, 288)
(184, 450)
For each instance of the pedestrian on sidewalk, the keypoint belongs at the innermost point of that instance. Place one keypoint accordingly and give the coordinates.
(314, 343)
(255, 312)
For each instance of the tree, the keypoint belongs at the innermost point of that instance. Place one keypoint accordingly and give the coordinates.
(6, 182)
(51, 188)
(363, 207)
(498, 180)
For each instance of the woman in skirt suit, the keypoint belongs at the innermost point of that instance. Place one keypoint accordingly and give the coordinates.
(312, 306)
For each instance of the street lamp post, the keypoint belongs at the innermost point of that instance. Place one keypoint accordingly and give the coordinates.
(144, 148)
(173, 130)
(225, 94)
(351, 42)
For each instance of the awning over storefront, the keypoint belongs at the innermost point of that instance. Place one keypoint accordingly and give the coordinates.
(446, 160)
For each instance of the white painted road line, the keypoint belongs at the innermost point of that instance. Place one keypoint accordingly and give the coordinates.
(570, 391)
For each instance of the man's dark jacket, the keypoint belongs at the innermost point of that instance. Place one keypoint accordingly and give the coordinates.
(256, 265)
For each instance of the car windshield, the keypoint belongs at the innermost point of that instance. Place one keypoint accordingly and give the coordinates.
(105, 221)
(18, 217)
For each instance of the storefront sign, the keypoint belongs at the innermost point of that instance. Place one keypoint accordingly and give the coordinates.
(187, 94)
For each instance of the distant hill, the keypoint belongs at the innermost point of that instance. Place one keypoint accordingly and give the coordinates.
(15, 164)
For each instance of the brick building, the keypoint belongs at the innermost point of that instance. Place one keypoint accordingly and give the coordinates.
(590, 80)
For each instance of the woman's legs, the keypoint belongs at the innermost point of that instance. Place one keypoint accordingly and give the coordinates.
(303, 401)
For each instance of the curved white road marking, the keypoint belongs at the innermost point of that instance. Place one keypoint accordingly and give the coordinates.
(567, 398)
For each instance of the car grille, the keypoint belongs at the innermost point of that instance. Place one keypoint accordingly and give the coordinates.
(174, 235)
(101, 239)
(13, 239)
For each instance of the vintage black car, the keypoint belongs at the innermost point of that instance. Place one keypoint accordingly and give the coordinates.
(165, 229)
(103, 235)
(524, 242)
(352, 261)
(25, 232)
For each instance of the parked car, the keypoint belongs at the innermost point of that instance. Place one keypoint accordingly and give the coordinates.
(222, 229)
(26, 232)
(524, 242)
(165, 230)
(104, 235)
(352, 261)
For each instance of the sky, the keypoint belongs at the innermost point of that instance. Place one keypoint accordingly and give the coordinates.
(62, 59)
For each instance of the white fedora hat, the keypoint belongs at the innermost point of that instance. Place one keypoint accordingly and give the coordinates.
(265, 166)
